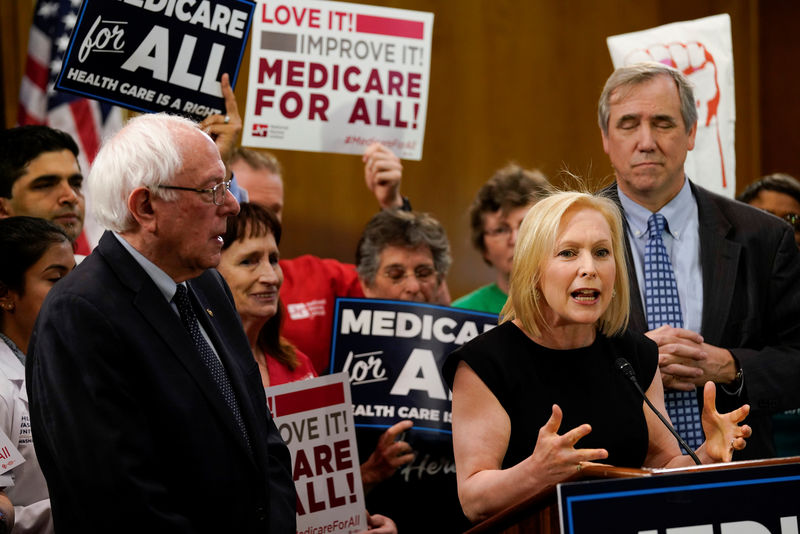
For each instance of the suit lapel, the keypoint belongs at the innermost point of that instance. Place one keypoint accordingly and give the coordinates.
(637, 321)
(720, 263)
(154, 308)
(231, 363)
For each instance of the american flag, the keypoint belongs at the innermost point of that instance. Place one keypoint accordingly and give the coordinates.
(88, 121)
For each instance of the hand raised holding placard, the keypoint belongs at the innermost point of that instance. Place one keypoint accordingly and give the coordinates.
(225, 130)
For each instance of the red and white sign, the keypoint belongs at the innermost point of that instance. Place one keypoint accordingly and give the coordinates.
(336, 77)
(703, 50)
(315, 419)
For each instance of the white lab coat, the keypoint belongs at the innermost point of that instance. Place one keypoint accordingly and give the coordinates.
(29, 493)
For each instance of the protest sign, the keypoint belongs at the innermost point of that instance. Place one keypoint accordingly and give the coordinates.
(703, 50)
(157, 55)
(393, 352)
(315, 420)
(10, 457)
(335, 77)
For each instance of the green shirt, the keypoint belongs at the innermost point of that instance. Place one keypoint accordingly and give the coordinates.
(489, 299)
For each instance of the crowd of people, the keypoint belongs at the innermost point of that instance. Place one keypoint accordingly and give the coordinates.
(185, 311)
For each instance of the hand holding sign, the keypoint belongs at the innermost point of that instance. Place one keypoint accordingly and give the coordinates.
(389, 454)
(380, 524)
(225, 130)
(383, 173)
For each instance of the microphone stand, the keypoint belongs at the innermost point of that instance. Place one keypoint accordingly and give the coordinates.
(624, 365)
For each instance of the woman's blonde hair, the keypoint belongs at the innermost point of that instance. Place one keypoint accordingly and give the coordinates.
(536, 243)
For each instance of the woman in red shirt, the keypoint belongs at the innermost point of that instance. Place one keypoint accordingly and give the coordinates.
(250, 266)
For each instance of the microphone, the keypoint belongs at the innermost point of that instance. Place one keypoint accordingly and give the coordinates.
(625, 367)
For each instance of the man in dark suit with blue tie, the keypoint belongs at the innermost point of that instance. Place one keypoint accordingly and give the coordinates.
(730, 272)
(147, 408)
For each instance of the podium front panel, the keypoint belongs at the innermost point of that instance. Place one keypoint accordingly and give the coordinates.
(749, 500)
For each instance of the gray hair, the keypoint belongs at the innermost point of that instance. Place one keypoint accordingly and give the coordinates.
(257, 159)
(402, 229)
(147, 152)
(638, 73)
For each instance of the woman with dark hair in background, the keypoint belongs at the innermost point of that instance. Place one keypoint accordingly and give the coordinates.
(495, 216)
(36, 254)
(249, 264)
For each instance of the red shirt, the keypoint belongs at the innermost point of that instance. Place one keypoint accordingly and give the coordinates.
(280, 374)
(309, 291)
(81, 245)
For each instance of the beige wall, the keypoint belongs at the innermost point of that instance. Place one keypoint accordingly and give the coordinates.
(510, 80)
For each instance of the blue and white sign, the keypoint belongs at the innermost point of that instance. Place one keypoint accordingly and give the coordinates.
(393, 352)
(157, 55)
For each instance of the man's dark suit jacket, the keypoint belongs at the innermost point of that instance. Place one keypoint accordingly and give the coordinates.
(131, 432)
(751, 306)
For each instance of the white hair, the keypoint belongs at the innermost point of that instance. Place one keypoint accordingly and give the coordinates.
(147, 152)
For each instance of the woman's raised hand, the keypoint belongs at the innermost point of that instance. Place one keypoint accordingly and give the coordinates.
(556, 454)
(723, 432)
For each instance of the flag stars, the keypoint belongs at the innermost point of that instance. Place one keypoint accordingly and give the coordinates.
(55, 66)
(47, 9)
(62, 42)
(69, 20)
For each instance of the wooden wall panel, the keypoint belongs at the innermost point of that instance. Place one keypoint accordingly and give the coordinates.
(510, 80)
(780, 112)
(15, 21)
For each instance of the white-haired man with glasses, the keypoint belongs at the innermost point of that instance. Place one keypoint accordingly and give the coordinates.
(143, 393)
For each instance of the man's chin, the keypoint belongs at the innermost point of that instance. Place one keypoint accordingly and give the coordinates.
(73, 230)
(212, 261)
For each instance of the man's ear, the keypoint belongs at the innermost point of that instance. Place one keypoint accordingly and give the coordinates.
(5, 208)
(140, 204)
(691, 136)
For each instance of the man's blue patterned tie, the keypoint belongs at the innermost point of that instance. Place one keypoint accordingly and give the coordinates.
(662, 306)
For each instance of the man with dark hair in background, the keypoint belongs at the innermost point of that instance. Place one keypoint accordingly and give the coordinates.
(778, 194)
(40, 177)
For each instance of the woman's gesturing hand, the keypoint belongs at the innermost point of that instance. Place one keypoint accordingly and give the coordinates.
(556, 454)
(723, 432)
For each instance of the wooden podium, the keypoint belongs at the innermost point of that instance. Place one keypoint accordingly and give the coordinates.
(539, 513)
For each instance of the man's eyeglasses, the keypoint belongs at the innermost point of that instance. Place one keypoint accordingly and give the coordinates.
(424, 274)
(217, 192)
(793, 219)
